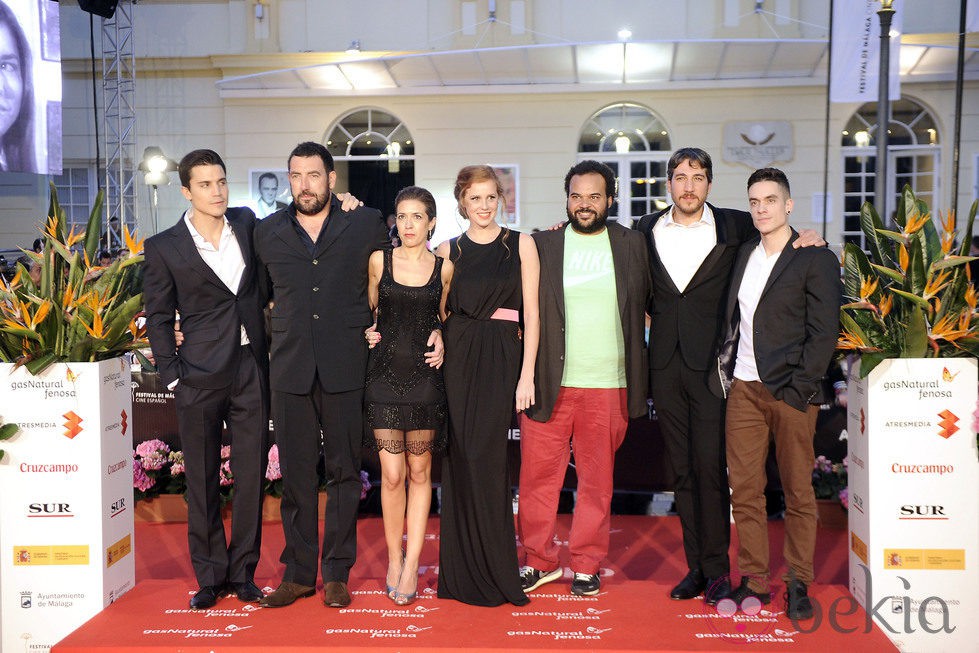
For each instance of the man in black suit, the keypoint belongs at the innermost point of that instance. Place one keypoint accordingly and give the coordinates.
(780, 331)
(203, 269)
(314, 256)
(692, 245)
(268, 196)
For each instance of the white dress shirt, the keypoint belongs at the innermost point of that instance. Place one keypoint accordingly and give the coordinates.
(226, 261)
(682, 248)
(753, 282)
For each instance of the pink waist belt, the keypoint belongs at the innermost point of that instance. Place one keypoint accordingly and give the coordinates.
(508, 314)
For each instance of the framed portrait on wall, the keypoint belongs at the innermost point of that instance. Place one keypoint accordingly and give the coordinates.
(268, 191)
(509, 175)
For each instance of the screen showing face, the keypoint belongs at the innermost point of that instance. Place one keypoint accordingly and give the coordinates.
(30, 87)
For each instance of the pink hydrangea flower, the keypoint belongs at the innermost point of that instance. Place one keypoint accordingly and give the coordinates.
(226, 477)
(226, 452)
(845, 498)
(141, 481)
(176, 463)
(365, 484)
(273, 472)
(150, 447)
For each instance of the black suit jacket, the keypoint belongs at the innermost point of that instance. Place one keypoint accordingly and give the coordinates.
(320, 305)
(690, 320)
(211, 314)
(796, 324)
(632, 284)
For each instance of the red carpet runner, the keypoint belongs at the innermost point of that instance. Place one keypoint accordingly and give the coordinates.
(632, 613)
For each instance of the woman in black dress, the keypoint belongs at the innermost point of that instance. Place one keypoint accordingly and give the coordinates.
(489, 370)
(405, 396)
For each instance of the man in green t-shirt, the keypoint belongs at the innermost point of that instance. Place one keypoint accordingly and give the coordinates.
(590, 377)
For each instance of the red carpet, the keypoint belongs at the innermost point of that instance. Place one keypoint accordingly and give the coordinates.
(633, 612)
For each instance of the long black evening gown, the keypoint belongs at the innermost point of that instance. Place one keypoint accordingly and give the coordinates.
(477, 551)
(403, 393)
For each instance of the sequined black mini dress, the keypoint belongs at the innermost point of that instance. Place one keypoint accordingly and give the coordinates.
(403, 392)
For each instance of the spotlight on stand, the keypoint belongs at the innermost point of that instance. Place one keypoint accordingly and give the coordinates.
(103, 8)
(155, 167)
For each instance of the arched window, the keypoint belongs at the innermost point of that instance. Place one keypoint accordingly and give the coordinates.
(636, 144)
(913, 158)
(374, 155)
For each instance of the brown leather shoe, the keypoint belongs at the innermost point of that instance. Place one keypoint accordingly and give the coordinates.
(286, 594)
(335, 594)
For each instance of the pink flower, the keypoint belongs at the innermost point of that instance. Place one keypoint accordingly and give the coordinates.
(141, 481)
(226, 477)
(176, 463)
(154, 461)
(365, 484)
(845, 498)
(273, 472)
(150, 447)
(226, 452)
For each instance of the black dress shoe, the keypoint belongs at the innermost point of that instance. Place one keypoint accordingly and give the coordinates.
(717, 589)
(797, 603)
(206, 597)
(743, 592)
(247, 591)
(690, 587)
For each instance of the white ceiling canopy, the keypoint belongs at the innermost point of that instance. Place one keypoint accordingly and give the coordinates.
(585, 66)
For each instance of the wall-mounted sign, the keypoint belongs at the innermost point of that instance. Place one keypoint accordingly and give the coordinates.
(758, 144)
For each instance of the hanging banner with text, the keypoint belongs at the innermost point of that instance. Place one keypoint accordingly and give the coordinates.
(856, 51)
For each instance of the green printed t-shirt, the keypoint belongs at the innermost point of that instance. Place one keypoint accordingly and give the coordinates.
(594, 345)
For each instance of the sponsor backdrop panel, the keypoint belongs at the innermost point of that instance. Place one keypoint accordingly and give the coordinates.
(66, 513)
(914, 501)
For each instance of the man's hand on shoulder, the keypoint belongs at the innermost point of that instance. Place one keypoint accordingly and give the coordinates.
(348, 202)
(808, 238)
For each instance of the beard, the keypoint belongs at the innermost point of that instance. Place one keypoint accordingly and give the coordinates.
(596, 225)
(310, 203)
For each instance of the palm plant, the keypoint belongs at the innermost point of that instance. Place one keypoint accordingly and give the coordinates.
(77, 310)
(911, 293)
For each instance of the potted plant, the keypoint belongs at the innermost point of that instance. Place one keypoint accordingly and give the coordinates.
(829, 481)
(911, 293)
(65, 322)
(911, 324)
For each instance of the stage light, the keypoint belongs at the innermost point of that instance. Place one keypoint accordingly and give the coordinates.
(103, 8)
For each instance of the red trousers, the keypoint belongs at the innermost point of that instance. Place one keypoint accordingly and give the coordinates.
(592, 422)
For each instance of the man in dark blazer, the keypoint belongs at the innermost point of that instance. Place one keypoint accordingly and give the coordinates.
(780, 331)
(590, 377)
(314, 258)
(692, 245)
(202, 271)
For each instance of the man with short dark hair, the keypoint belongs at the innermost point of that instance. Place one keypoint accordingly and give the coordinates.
(203, 267)
(313, 256)
(590, 378)
(780, 330)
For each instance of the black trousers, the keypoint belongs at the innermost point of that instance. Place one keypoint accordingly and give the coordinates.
(201, 415)
(299, 420)
(691, 419)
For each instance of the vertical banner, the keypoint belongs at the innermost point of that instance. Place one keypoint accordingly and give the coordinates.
(914, 501)
(856, 51)
(66, 499)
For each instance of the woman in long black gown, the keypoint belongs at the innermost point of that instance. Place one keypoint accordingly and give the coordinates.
(405, 396)
(489, 370)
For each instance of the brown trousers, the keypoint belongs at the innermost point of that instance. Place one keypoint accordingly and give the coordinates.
(754, 419)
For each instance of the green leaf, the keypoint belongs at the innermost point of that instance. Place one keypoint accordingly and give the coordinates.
(916, 276)
(916, 336)
(869, 224)
(896, 236)
(93, 230)
(888, 272)
(952, 261)
(7, 431)
(144, 361)
(920, 302)
(38, 365)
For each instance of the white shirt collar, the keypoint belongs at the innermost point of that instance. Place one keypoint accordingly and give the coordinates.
(706, 218)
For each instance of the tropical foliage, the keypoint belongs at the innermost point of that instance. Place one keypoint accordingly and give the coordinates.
(72, 309)
(910, 293)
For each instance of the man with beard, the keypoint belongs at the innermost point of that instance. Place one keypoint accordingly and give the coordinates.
(313, 257)
(591, 377)
(692, 246)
